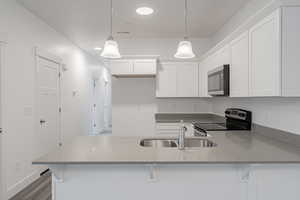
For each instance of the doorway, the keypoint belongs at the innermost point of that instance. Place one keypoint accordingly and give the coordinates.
(101, 123)
(48, 102)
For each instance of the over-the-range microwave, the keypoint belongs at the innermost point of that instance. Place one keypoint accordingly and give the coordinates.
(218, 81)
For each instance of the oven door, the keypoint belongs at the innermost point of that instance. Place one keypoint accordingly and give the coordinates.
(218, 81)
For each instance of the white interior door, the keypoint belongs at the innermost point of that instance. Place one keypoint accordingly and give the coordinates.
(48, 102)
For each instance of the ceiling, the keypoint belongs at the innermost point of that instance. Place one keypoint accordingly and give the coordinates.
(86, 22)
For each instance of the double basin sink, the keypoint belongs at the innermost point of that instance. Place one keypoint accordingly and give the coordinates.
(189, 143)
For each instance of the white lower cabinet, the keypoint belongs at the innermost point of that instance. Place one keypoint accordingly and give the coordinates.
(179, 181)
(177, 79)
(274, 182)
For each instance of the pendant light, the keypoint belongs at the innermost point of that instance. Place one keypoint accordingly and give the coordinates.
(111, 48)
(185, 49)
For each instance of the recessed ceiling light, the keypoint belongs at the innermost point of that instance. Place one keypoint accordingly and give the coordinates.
(144, 11)
(97, 48)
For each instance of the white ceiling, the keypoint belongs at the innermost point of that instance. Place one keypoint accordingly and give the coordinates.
(86, 22)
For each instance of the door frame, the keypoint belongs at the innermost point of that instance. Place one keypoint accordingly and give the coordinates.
(40, 53)
(3, 193)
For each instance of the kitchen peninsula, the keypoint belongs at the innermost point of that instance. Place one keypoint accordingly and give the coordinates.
(241, 165)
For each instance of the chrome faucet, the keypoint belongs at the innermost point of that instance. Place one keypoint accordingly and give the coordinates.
(181, 138)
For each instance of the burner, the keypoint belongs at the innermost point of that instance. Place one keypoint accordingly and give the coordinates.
(236, 119)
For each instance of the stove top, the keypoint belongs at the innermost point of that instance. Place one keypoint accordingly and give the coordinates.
(236, 119)
(211, 126)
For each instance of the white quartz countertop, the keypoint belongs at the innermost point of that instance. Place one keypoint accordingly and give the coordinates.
(232, 147)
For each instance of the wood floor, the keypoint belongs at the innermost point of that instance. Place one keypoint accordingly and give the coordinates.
(38, 190)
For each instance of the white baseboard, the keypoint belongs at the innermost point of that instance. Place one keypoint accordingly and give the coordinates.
(20, 185)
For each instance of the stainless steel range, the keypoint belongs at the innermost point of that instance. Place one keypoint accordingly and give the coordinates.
(236, 119)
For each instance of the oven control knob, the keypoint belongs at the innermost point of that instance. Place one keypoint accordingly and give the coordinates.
(242, 115)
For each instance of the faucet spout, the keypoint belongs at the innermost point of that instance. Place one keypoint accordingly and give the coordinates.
(181, 138)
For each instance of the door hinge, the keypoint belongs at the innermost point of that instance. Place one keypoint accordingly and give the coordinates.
(59, 110)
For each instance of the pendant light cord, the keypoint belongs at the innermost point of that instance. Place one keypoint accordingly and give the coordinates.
(185, 20)
(111, 17)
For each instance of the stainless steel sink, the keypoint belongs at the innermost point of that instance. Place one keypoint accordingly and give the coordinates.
(198, 143)
(189, 143)
(159, 143)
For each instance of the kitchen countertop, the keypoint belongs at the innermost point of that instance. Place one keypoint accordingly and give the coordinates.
(232, 147)
(188, 117)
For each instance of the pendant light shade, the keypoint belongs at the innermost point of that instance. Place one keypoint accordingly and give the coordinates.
(185, 49)
(111, 47)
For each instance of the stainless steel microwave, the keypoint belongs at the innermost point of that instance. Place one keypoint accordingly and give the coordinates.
(218, 81)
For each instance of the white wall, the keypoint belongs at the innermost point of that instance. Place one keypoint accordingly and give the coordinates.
(280, 113)
(133, 99)
(23, 31)
(134, 106)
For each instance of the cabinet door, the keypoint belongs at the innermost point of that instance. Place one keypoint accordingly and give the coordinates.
(121, 67)
(265, 57)
(187, 80)
(239, 69)
(222, 57)
(201, 92)
(290, 51)
(166, 80)
(276, 182)
(145, 67)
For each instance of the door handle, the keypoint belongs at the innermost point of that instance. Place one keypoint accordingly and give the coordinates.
(42, 121)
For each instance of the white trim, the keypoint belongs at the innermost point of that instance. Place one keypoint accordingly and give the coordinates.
(48, 56)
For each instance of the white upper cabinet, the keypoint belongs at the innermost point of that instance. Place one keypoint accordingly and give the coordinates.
(177, 79)
(239, 69)
(121, 67)
(221, 57)
(265, 57)
(187, 80)
(138, 67)
(204, 67)
(290, 51)
(144, 67)
(166, 80)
